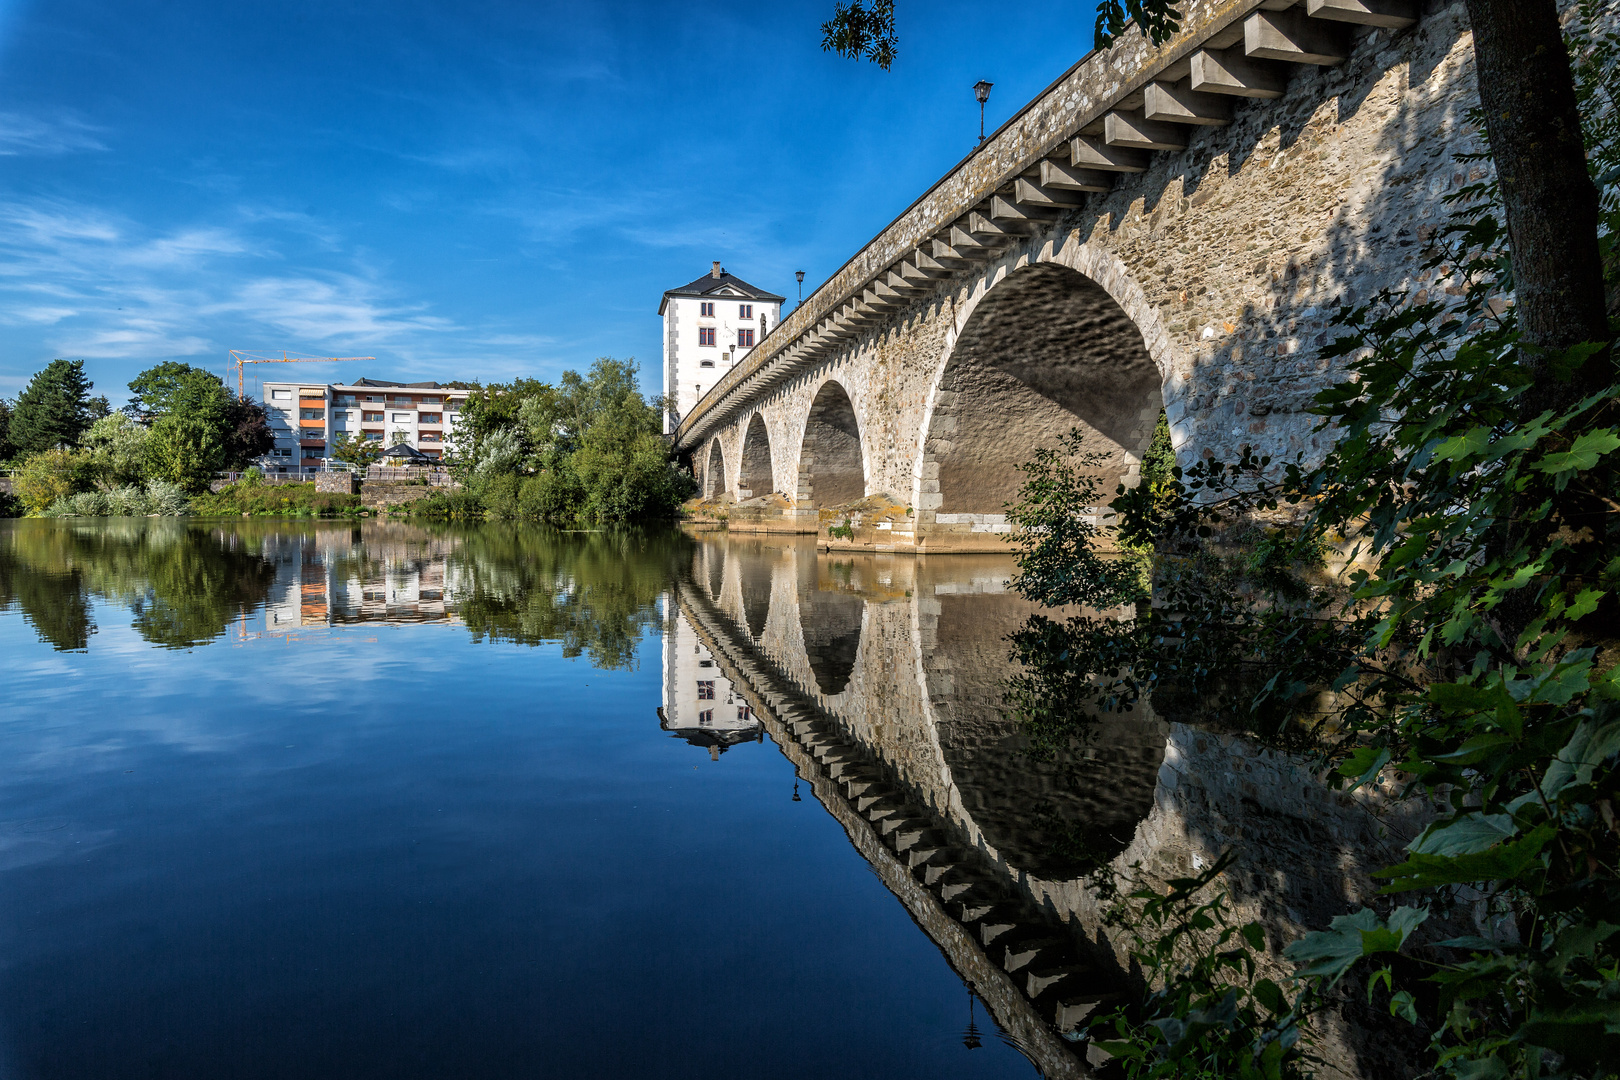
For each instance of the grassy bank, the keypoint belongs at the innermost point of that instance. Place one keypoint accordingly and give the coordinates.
(281, 500)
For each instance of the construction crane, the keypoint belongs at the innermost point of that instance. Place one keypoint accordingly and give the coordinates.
(239, 358)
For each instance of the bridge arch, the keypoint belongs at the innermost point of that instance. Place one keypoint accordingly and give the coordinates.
(755, 476)
(832, 464)
(714, 470)
(1051, 345)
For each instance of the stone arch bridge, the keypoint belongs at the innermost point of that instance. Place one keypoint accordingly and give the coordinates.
(1161, 229)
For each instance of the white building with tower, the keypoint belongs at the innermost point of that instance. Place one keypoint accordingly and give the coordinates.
(710, 325)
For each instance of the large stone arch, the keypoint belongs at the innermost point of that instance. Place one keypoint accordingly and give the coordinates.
(755, 474)
(1046, 348)
(714, 470)
(832, 462)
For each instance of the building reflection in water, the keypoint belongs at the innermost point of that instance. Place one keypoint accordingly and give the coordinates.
(700, 704)
(338, 576)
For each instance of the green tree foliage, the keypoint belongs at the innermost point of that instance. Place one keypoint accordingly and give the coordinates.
(7, 450)
(217, 429)
(49, 476)
(185, 450)
(588, 448)
(359, 452)
(115, 451)
(860, 32)
(54, 409)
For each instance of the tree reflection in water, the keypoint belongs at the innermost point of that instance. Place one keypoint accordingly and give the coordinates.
(183, 581)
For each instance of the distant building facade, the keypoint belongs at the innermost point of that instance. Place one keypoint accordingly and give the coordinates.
(308, 418)
(710, 325)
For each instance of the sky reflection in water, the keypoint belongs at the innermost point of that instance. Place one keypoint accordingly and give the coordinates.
(321, 801)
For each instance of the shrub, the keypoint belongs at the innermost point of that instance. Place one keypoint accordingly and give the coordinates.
(49, 476)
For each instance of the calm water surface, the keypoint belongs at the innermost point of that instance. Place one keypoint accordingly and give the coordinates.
(282, 800)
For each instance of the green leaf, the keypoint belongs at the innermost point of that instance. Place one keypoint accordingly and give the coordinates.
(1458, 446)
(1270, 995)
(1464, 836)
(1593, 743)
(1335, 951)
(1364, 763)
(1502, 862)
(1583, 454)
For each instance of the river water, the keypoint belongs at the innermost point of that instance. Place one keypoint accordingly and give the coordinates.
(380, 800)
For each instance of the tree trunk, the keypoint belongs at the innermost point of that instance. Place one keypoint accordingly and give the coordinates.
(1528, 95)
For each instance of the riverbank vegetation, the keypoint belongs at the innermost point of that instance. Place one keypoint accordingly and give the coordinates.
(585, 450)
(252, 497)
(1430, 610)
(76, 458)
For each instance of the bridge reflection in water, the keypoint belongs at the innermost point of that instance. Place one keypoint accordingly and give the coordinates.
(881, 678)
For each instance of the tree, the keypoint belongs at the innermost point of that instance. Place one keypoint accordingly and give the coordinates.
(357, 452)
(240, 428)
(115, 451)
(55, 408)
(7, 451)
(247, 432)
(185, 450)
(49, 476)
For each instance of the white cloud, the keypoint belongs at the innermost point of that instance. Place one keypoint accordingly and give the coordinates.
(28, 135)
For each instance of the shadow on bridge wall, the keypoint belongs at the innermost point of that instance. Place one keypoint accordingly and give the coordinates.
(917, 708)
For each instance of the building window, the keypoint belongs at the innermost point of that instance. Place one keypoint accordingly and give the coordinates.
(706, 335)
(371, 417)
(345, 399)
(281, 395)
(403, 418)
(705, 689)
(744, 714)
(706, 310)
(313, 452)
(745, 311)
(706, 717)
(430, 418)
(374, 436)
(310, 414)
(745, 339)
(705, 363)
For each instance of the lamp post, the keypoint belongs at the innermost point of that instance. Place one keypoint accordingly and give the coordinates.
(981, 92)
(799, 275)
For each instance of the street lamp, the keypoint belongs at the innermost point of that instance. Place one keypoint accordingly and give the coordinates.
(799, 274)
(981, 92)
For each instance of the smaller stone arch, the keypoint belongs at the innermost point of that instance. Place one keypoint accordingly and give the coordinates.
(714, 472)
(832, 468)
(755, 476)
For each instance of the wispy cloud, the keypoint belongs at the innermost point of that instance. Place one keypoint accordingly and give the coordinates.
(32, 135)
(104, 286)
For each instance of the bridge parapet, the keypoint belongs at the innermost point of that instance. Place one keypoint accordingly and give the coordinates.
(1098, 120)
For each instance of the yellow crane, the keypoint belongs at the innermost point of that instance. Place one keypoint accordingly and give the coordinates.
(239, 358)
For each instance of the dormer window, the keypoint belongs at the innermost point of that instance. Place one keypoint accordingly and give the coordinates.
(745, 311)
(706, 311)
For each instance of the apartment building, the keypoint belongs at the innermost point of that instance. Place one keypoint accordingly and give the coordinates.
(308, 418)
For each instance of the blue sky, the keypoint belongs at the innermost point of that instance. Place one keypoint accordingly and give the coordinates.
(463, 190)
